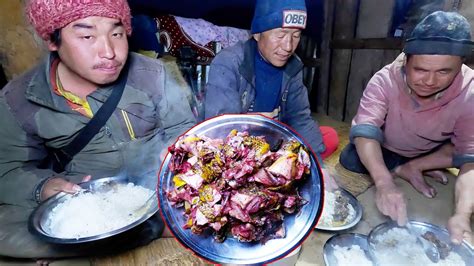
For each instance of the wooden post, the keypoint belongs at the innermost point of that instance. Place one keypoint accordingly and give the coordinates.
(345, 17)
(466, 8)
(320, 96)
(306, 51)
(374, 21)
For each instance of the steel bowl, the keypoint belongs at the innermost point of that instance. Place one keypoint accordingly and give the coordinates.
(357, 217)
(343, 240)
(37, 223)
(231, 251)
(419, 228)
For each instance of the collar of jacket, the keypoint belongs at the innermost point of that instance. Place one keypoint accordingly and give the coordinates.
(247, 68)
(39, 88)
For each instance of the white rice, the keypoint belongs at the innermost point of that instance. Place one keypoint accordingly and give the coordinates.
(90, 214)
(398, 247)
(353, 255)
(327, 217)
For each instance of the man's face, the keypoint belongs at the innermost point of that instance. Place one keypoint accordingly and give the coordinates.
(429, 74)
(93, 49)
(278, 45)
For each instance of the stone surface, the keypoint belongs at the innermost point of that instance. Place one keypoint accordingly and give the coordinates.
(19, 48)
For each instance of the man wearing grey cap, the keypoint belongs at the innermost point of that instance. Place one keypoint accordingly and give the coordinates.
(416, 118)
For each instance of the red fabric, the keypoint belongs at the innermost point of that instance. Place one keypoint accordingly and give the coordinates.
(173, 37)
(330, 140)
(48, 15)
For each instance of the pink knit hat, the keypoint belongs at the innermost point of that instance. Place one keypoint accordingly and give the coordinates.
(48, 15)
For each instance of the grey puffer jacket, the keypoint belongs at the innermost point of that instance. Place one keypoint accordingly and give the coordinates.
(33, 117)
(231, 89)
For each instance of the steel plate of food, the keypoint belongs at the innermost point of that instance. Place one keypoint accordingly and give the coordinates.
(105, 207)
(347, 249)
(341, 211)
(240, 189)
(390, 244)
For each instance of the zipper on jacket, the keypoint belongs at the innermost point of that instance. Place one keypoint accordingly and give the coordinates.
(131, 132)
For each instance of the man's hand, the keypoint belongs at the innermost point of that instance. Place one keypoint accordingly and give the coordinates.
(391, 202)
(58, 184)
(459, 225)
(412, 174)
(459, 228)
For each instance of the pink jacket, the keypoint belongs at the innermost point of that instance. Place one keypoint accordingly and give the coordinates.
(388, 113)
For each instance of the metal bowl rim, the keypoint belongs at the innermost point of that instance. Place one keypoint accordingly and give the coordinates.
(34, 221)
(329, 243)
(391, 224)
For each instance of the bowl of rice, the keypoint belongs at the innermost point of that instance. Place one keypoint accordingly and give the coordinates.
(341, 211)
(105, 207)
(390, 244)
(347, 249)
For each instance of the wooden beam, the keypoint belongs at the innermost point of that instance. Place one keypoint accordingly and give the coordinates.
(375, 43)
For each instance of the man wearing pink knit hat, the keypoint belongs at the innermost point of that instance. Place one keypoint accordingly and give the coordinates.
(46, 113)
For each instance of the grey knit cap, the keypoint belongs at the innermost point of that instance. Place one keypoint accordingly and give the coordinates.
(445, 33)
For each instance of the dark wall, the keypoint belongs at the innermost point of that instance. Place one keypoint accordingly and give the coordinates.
(3, 78)
(233, 13)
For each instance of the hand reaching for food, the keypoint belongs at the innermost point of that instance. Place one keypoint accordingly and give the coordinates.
(459, 228)
(391, 202)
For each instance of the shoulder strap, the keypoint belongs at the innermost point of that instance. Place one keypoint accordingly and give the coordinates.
(64, 155)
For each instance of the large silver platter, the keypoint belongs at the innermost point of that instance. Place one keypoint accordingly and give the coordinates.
(349, 224)
(231, 251)
(343, 240)
(38, 219)
(419, 228)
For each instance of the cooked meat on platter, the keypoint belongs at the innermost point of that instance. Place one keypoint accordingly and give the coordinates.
(237, 186)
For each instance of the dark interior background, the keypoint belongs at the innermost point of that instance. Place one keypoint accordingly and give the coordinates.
(233, 13)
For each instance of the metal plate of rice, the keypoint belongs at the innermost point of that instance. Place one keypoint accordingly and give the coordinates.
(390, 242)
(40, 221)
(354, 246)
(355, 215)
(231, 251)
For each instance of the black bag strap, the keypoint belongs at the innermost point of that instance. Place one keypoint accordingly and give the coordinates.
(65, 154)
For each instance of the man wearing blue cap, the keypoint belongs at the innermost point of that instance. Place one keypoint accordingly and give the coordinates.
(263, 75)
(416, 118)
